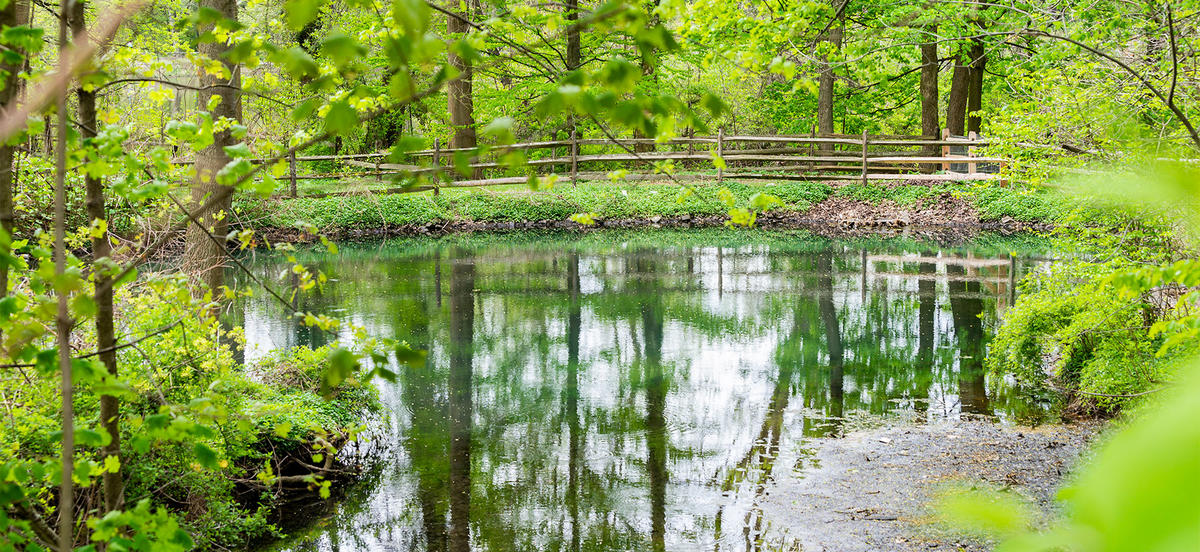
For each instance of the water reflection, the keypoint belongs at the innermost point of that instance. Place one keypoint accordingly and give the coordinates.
(603, 396)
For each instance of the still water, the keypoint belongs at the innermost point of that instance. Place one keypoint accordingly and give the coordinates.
(619, 391)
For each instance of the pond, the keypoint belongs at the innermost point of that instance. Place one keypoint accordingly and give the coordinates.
(636, 391)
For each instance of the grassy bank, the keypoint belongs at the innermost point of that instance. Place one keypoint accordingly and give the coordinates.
(614, 201)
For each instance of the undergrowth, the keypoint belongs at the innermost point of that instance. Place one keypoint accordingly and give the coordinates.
(203, 436)
(1084, 329)
(616, 201)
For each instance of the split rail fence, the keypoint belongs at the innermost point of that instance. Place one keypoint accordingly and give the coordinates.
(746, 157)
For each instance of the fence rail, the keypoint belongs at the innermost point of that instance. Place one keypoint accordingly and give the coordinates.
(778, 157)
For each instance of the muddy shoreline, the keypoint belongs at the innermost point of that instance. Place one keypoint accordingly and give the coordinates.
(872, 489)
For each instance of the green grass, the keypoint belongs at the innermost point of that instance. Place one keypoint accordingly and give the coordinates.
(517, 203)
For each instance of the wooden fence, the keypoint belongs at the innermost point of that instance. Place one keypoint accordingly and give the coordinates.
(746, 157)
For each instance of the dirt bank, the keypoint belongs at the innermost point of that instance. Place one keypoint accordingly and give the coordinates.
(871, 489)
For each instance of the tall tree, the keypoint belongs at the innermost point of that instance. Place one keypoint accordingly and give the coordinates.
(63, 322)
(956, 100)
(574, 47)
(204, 256)
(977, 56)
(975, 87)
(11, 15)
(574, 44)
(825, 81)
(929, 94)
(110, 406)
(459, 92)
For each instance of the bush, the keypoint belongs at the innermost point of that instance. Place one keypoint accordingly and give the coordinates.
(202, 436)
(1079, 327)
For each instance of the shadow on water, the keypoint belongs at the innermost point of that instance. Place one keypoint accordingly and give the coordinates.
(603, 395)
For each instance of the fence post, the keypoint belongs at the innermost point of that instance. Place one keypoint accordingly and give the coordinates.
(437, 169)
(971, 166)
(721, 154)
(292, 171)
(574, 157)
(378, 175)
(864, 157)
(945, 149)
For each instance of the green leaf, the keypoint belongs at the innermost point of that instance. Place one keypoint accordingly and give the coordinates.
(501, 130)
(342, 364)
(297, 63)
(408, 355)
(23, 37)
(91, 438)
(206, 456)
(764, 202)
(412, 16)
(341, 118)
(299, 13)
(342, 50)
(237, 150)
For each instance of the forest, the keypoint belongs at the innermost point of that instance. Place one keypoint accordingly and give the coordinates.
(455, 275)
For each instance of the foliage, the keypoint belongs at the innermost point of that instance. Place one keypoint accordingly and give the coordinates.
(199, 428)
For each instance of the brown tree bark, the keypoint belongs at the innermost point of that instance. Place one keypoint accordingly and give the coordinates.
(63, 321)
(459, 91)
(929, 97)
(956, 101)
(648, 64)
(574, 48)
(203, 257)
(574, 45)
(825, 80)
(11, 15)
(975, 89)
(110, 406)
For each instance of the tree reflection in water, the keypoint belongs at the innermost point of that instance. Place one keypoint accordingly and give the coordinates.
(582, 397)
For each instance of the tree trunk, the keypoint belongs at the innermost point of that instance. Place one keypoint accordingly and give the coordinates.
(956, 103)
(459, 91)
(203, 257)
(10, 16)
(975, 88)
(825, 82)
(63, 321)
(574, 48)
(929, 97)
(110, 406)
